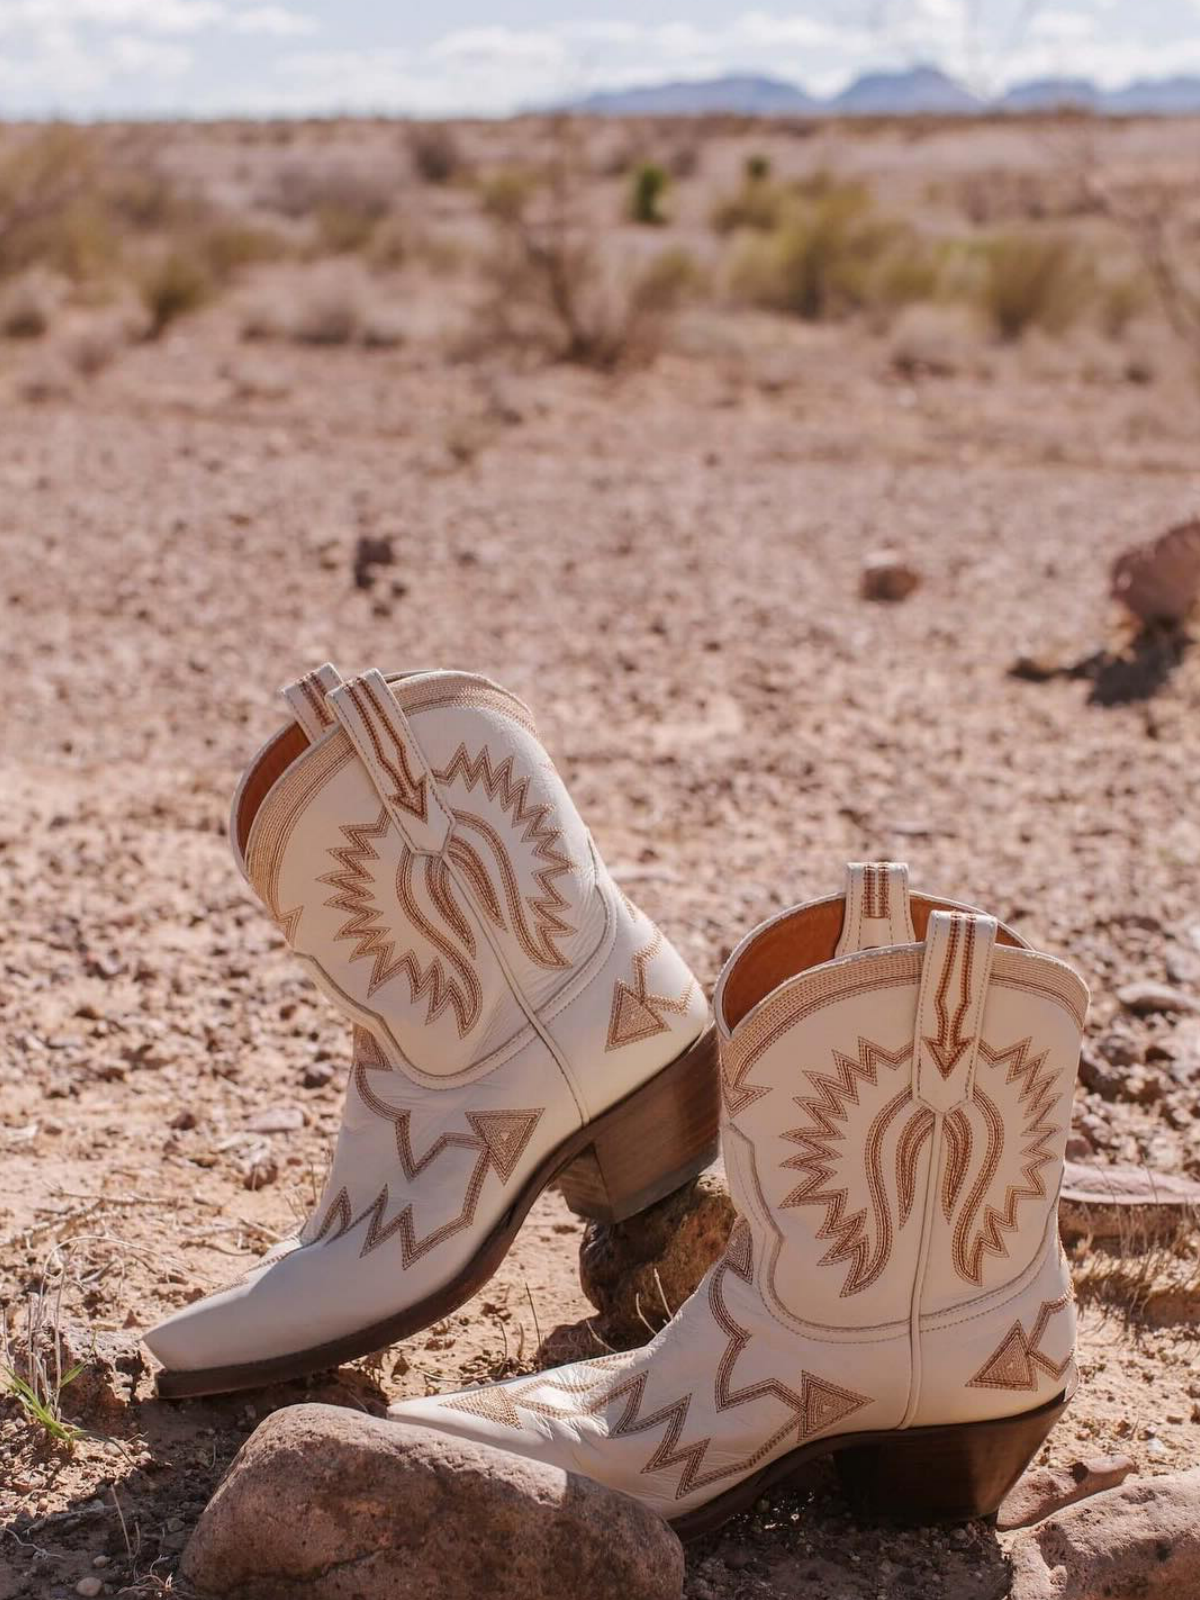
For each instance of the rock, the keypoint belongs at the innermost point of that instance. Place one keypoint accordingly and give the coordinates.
(1110, 1202)
(1043, 1490)
(259, 1169)
(1142, 1540)
(1159, 581)
(89, 1587)
(276, 1119)
(886, 575)
(335, 1505)
(318, 1074)
(1145, 999)
(628, 1269)
(370, 553)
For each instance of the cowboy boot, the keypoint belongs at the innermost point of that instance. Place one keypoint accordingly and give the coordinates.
(516, 1020)
(897, 1076)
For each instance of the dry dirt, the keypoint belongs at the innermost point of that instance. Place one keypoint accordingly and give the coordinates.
(665, 566)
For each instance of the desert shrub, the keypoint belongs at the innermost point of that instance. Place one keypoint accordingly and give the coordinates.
(51, 214)
(553, 288)
(758, 204)
(1029, 279)
(344, 203)
(646, 194)
(171, 284)
(435, 152)
(831, 253)
(227, 247)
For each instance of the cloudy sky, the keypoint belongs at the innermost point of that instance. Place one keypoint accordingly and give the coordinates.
(209, 57)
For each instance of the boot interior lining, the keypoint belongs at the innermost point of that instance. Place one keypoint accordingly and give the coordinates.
(806, 938)
(272, 763)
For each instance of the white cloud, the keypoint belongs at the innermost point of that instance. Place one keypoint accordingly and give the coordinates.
(70, 51)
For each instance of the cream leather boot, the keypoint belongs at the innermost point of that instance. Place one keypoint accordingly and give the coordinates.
(897, 1076)
(517, 1020)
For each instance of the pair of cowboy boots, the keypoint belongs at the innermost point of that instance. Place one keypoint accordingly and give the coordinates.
(892, 1075)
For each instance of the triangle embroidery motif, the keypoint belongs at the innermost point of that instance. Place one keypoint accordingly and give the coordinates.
(505, 1134)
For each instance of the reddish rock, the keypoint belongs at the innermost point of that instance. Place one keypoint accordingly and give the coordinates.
(1141, 1540)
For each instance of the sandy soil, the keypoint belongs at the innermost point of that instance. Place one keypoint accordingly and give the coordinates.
(665, 566)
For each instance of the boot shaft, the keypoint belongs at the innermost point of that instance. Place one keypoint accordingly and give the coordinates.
(424, 859)
(897, 1108)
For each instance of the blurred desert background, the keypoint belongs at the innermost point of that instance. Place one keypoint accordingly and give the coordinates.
(780, 466)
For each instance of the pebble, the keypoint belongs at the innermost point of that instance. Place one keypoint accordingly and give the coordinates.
(89, 1587)
(1147, 999)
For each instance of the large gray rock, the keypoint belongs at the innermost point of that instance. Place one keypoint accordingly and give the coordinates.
(1141, 1540)
(329, 1504)
(639, 1272)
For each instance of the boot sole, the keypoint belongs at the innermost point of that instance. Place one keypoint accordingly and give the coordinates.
(610, 1169)
(951, 1473)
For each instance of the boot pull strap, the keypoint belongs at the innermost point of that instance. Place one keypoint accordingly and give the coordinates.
(379, 731)
(877, 907)
(306, 700)
(954, 981)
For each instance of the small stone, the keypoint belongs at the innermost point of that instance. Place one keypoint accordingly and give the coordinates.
(260, 1170)
(89, 1587)
(318, 1075)
(1156, 1449)
(309, 1506)
(1140, 1539)
(370, 553)
(886, 575)
(638, 1273)
(277, 1119)
(1147, 999)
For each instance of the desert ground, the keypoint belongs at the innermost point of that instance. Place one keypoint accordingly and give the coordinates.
(649, 520)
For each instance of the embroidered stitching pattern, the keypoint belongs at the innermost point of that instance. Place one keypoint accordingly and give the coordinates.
(410, 792)
(822, 1154)
(816, 1406)
(1038, 1094)
(876, 891)
(356, 885)
(636, 1013)
(1017, 1360)
(499, 783)
(499, 1137)
(949, 1045)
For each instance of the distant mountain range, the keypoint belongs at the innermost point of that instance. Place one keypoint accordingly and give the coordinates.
(921, 89)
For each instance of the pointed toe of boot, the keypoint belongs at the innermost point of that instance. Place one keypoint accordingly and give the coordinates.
(219, 1334)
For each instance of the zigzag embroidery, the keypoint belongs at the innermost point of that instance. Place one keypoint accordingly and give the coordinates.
(636, 1013)
(355, 886)
(817, 1406)
(1038, 1096)
(513, 794)
(500, 1137)
(821, 1156)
